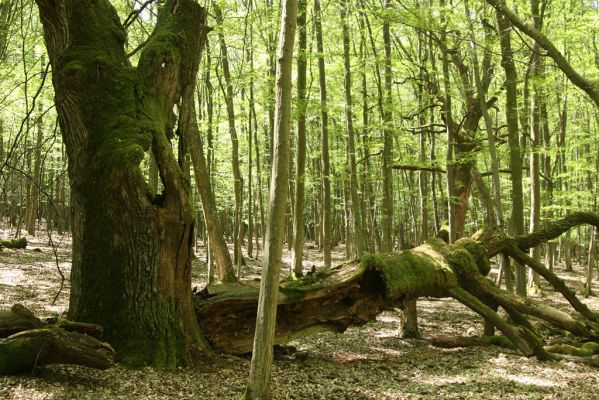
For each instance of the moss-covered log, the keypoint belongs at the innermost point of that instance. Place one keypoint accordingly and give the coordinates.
(20, 243)
(28, 343)
(24, 351)
(17, 319)
(354, 293)
(349, 294)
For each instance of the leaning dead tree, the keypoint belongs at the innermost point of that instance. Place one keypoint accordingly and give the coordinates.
(355, 293)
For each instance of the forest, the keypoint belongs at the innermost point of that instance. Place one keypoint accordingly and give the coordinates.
(299, 199)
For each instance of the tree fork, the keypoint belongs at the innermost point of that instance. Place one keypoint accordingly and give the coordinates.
(131, 250)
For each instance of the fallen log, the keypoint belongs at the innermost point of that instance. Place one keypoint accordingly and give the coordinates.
(20, 243)
(17, 319)
(26, 343)
(350, 294)
(449, 342)
(355, 293)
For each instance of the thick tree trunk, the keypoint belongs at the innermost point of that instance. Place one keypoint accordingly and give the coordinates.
(131, 251)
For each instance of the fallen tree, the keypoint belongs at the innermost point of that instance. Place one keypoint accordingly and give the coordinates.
(26, 343)
(355, 293)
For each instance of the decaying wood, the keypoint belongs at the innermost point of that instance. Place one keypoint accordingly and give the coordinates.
(17, 319)
(28, 343)
(350, 294)
(333, 299)
(355, 293)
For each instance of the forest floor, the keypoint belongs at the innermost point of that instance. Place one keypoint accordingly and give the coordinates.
(369, 362)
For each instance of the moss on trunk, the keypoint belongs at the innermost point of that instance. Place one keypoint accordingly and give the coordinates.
(131, 251)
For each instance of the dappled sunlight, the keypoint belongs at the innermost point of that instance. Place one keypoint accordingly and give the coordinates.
(367, 362)
(10, 276)
(29, 393)
(344, 356)
(530, 380)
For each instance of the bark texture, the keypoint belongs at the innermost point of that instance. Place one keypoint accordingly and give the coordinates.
(259, 381)
(354, 293)
(131, 250)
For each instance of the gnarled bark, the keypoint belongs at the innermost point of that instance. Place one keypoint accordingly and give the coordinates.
(131, 250)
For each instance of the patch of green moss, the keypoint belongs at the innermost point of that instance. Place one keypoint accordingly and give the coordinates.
(413, 273)
(292, 295)
(501, 341)
(19, 355)
(581, 350)
(20, 243)
(307, 280)
(144, 352)
(478, 253)
(296, 289)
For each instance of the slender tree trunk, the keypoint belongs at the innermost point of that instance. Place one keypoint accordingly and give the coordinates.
(547, 170)
(423, 176)
(452, 202)
(591, 261)
(358, 233)
(387, 206)
(368, 215)
(300, 153)
(218, 246)
(229, 95)
(262, 355)
(250, 246)
(259, 182)
(33, 205)
(535, 140)
(511, 116)
(324, 140)
(488, 123)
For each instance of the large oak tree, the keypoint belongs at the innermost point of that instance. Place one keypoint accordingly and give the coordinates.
(131, 249)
